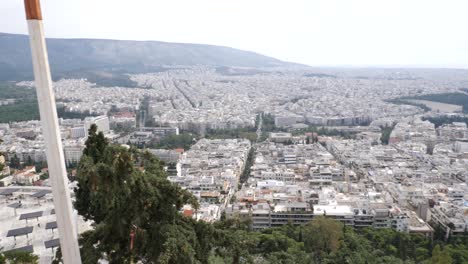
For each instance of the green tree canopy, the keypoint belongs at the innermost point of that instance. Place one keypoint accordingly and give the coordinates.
(323, 236)
(124, 191)
(18, 257)
(440, 256)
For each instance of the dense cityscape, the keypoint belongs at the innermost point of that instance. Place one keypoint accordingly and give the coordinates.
(233, 132)
(269, 148)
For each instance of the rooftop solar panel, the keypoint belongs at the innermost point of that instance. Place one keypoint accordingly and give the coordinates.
(51, 225)
(52, 243)
(8, 191)
(31, 215)
(29, 249)
(20, 231)
(14, 205)
(40, 194)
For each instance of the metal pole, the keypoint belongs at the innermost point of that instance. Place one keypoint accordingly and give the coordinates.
(51, 131)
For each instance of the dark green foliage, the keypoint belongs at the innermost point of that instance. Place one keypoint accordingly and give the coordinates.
(263, 136)
(25, 107)
(248, 164)
(18, 257)
(440, 256)
(44, 176)
(458, 250)
(15, 162)
(268, 123)
(20, 111)
(257, 120)
(442, 120)
(248, 133)
(29, 110)
(144, 106)
(40, 165)
(29, 161)
(401, 245)
(104, 78)
(95, 144)
(184, 141)
(324, 131)
(322, 236)
(123, 129)
(405, 102)
(446, 98)
(386, 132)
(9, 90)
(121, 199)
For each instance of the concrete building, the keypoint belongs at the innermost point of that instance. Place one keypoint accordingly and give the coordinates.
(102, 123)
(280, 137)
(73, 153)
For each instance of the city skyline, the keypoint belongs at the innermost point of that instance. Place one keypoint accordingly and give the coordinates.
(322, 33)
(162, 152)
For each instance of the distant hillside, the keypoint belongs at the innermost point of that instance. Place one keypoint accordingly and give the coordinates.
(96, 57)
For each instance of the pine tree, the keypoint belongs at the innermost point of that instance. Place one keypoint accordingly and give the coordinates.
(95, 144)
(18, 257)
(122, 199)
(440, 256)
(15, 162)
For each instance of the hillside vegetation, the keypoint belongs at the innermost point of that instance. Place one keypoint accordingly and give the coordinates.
(107, 61)
(25, 106)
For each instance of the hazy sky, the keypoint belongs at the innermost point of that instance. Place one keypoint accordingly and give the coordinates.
(430, 33)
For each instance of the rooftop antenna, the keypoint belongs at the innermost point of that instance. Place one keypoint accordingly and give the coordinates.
(50, 129)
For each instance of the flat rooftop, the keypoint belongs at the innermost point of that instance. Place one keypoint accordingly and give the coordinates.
(28, 221)
(333, 210)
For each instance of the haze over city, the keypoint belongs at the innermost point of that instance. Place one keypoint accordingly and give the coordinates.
(229, 132)
(395, 33)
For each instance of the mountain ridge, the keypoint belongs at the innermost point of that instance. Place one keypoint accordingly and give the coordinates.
(69, 57)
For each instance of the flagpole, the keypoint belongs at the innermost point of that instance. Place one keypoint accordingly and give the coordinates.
(51, 132)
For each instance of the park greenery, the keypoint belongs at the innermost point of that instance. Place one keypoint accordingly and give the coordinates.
(268, 124)
(399, 101)
(248, 133)
(386, 132)
(2, 165)
(125, 193)
(446, 119)
(184, 141)
(264, 129)
(18, 257)
(324, 131)
(247, 168)
(15, 162)
(25, 106)
(446, 98)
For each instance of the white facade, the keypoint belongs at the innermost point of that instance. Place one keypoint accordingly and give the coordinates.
(78, 132)
(73, 153)
(102, 123)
